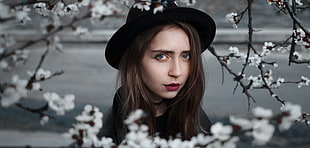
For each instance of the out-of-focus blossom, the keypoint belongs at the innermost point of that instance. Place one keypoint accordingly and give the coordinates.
(262, 131)
(231, 143)
(163, 143)
(5, 11)
(260, 112)
(71, 10)
(82, 32)
(188, 2)
(58, 104)
(6, 41)
(22, 15)
(297, 55)
(291, 113)
(304, 82)
(4, 64)
(59, 9)
(232, 18)
(81, 3)
(134, 116)
(99, 10)
(14, 92)
(220, 131)
(20, 56)
(55, 44)
(44, 120)
(105, 142)
(283, 49)
(41, 74)
(243, 123)
(202, 139)
(41, 8)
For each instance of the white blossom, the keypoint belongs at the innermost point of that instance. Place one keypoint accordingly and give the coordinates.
(144, 5)
(255, 60)
(262, 131)
(261, 112)
(41, 8)
(134, 116)
(292, 113)
(41, 74)
(58, 104)
(232, 18)
(20, 56)
(36, 86)
(99, 10)
(83, 3)
(82, 32)
(12, 94)
(188, 2)
(304, 82)
(88, 126)
(257, 81)
(105, 142)
(158, 9)
(297, 55)
(163, 143)
(6, 41)
(22, 15)
(71, 10)
(243, 123)
(231, 143)
(59, 9)
(220, 131)
(44, 120)
(278, 83)
(55, 43)
(3, 64)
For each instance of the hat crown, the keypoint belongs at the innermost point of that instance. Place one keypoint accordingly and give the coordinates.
(142, 7)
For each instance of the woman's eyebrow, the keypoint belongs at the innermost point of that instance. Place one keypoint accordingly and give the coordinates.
(169, 51)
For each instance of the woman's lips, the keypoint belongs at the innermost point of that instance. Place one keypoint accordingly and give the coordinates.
(172, 86)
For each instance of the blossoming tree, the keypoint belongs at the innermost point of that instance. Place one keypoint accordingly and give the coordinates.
(261, 127)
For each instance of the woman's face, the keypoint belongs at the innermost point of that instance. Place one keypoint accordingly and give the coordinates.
(166, 63)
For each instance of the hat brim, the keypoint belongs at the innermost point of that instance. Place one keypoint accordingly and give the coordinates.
(123, 37)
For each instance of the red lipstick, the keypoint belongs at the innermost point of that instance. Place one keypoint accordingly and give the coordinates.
(172, 86)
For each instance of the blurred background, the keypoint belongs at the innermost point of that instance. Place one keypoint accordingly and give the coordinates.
(93, 81)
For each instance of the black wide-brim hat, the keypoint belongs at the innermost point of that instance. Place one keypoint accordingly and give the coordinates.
(140, 20)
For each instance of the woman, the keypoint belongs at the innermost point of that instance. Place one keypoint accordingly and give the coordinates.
(159, 60)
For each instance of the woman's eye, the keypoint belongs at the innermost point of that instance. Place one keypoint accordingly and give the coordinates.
(186, 56)
(160, 57)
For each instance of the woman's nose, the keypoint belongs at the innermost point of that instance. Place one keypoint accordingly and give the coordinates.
(175, 69)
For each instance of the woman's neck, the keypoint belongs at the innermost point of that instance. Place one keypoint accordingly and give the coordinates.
(160, 108)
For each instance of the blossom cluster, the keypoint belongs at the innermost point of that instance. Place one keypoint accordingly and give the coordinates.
(261, 128)
(84, 132)
(14, 92)
(233, 18)
(302, 38)
(58, 104)
(281, 4)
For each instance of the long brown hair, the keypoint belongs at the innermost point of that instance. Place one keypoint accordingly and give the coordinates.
(184, 110)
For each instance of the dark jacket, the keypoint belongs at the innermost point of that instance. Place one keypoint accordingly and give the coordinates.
(113, 119)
